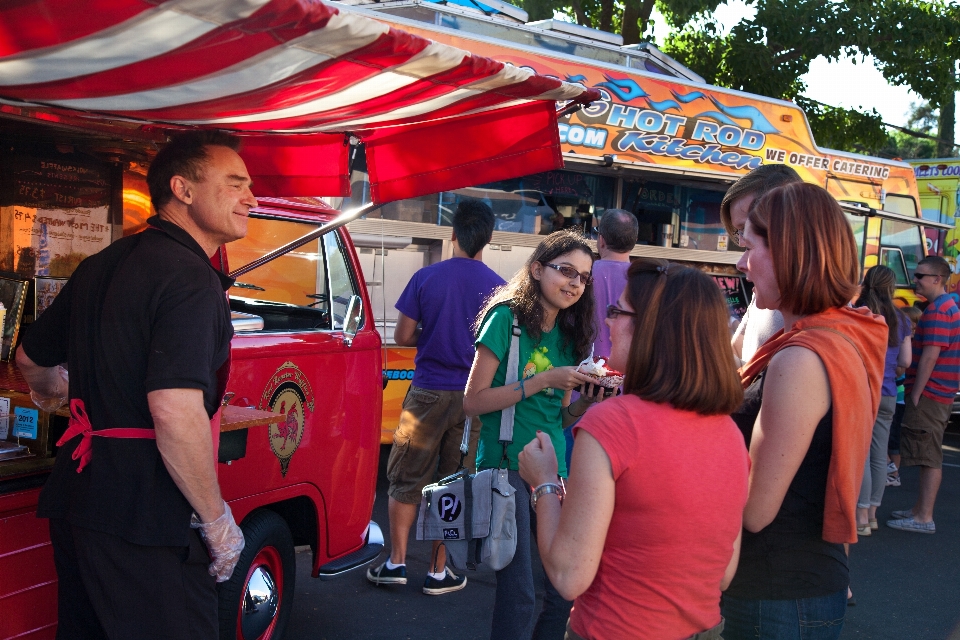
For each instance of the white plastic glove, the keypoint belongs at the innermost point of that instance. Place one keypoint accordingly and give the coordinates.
(224, 540)
(50, 404)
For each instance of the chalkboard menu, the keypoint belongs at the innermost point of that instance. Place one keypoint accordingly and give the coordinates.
(734, 292)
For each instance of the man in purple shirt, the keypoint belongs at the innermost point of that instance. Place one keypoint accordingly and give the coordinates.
(437, 311)
(618, 235)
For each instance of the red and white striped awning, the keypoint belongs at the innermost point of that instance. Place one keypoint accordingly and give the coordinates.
(296, 77)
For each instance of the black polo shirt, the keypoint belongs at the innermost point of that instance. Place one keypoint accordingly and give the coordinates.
(146, 313)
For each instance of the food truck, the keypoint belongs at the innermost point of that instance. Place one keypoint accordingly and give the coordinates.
(660, 143)
(88, 95)
(937, 181)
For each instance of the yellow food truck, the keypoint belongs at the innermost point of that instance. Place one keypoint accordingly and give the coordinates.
(937, 182)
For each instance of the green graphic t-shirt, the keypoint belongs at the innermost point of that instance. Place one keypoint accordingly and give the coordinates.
(540, 411)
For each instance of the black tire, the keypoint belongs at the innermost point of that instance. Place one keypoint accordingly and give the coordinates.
(269, 546)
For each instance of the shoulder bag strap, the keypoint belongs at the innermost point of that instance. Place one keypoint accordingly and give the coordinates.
(513, 369)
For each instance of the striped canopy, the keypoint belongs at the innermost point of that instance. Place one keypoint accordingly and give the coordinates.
(297, 78)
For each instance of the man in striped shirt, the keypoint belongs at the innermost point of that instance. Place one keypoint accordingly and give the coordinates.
(932, 382)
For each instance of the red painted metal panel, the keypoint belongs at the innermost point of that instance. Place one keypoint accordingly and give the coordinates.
(28, 578)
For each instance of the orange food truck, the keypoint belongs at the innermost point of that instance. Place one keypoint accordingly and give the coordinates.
(311, 88)
(660, 143)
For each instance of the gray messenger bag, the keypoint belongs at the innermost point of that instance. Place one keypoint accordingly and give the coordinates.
(475, 515)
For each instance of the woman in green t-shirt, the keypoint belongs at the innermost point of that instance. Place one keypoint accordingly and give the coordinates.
(556, 333)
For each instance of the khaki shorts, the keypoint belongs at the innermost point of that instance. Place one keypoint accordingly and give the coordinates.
(426, 444)
(921, 433)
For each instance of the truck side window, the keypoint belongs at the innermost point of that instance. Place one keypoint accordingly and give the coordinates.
(290, 293)
(341, 282)
(893, 258)
(904, 239)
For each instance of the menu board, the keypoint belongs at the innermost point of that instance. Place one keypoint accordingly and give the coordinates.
(57, 213)
(735, 294)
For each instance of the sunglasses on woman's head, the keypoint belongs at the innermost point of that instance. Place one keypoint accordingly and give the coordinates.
(570, 272)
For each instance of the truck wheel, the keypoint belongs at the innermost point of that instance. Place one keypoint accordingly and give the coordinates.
(255, 603)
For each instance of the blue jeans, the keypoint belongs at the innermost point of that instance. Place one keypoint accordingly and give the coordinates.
(515, 604)
(805, 619)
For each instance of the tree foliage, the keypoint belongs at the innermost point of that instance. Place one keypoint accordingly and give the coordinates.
(923, 119)
(844, 129)
(918, 44)
(768, 55)
(629, 18)
(914, 43)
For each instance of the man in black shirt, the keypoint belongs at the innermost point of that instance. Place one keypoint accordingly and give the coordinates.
(144, 328)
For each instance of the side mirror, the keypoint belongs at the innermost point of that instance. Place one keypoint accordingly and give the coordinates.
(351, 319)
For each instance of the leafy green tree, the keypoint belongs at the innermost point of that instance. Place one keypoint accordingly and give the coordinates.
(924, 119)
(629, 18)
(917, 43)
(768, 55)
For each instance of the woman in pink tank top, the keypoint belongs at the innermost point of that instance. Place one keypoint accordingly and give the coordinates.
(649, 531)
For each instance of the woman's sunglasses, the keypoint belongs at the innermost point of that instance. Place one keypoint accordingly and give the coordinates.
(613, 311)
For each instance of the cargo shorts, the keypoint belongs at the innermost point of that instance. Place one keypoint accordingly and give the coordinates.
(426, 444)
(921, 433)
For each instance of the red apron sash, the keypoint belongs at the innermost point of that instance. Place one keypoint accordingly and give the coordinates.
(80, 425)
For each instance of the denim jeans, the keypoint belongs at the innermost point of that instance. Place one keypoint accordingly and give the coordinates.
(515, 604)
(805, 619)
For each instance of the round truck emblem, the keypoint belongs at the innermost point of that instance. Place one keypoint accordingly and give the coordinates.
(288, 393)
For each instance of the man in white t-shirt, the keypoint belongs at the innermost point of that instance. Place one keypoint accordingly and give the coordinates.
(758, 325)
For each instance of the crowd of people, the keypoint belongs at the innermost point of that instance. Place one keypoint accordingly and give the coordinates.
(719, 492)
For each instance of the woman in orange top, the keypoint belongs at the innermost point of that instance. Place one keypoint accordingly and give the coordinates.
(811, 395)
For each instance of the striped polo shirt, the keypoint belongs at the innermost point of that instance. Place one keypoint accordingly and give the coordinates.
(940, 327)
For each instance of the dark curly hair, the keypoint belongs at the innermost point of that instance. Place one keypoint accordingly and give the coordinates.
(522, 294)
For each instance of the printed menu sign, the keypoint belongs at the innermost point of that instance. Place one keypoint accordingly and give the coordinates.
(56, 214)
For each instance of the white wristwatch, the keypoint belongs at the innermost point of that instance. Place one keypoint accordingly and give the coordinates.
(547, 487)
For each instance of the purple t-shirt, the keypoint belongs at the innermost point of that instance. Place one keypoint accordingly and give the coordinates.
(446, 298)
(893, 353)
(609, 281)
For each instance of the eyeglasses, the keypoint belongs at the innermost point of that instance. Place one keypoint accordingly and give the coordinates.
(613, 311)
(920, 276)
(570, 272)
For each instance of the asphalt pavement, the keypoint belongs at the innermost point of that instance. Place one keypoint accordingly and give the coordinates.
(907, 585)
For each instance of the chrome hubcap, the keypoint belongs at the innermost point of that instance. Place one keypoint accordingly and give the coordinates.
(259, 603)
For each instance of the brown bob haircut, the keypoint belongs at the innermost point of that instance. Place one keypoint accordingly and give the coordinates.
(680, 353)
(812, 247)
